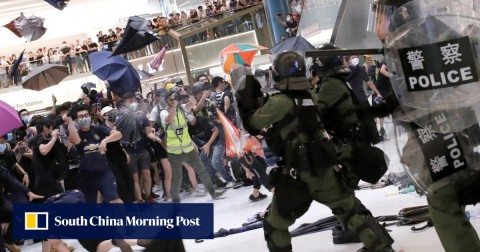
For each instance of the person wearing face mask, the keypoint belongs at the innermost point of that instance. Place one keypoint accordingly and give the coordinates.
(118, 159)
(91, 142)
(291, 26)
(48, 179)
(357, 76)
(25, 116)
(180, 146)
(135, 127)
(8, 160)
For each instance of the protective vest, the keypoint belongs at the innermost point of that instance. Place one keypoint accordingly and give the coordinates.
(178, 139)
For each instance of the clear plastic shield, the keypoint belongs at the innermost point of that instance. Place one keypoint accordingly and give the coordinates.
(433, 50)
(435, 158)
(238, 73)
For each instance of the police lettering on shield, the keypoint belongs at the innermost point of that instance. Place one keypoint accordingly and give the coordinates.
(424, 71)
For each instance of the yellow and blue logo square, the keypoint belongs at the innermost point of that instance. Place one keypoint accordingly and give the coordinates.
(36, 220)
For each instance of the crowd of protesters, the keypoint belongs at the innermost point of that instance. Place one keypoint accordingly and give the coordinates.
(168, 146)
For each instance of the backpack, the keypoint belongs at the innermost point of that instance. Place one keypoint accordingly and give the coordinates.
(370, 162)
(367, 128)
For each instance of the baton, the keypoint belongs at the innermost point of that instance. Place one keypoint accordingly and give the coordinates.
(343, 52)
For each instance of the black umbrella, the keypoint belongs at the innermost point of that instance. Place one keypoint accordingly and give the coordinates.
(45, 76)
(136, 36)
(298, 44)
(59, 4)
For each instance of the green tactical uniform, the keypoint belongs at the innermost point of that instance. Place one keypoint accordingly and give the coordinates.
(336, 109)
(453, 228)
(447, 210)
(324, 188)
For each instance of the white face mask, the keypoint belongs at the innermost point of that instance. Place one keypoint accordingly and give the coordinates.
(133, 106)
(289, 19)
(354, 61)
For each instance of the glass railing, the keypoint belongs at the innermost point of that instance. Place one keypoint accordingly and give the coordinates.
(216, 27)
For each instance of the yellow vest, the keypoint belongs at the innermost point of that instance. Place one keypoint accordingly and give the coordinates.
(178, 139)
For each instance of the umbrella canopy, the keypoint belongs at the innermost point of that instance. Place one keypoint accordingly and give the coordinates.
(30, 28)
(59, 4)
(157, 61)
(136, 36)
(120, 74)
(238, 53)
(106, 67)
(298, 44)
(10, 118)
(45, 76)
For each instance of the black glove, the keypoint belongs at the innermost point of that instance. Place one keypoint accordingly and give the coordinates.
(248, 94)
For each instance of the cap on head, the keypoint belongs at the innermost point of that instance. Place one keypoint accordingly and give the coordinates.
(105, 110)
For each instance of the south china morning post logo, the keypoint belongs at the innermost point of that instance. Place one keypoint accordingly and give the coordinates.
(36, 221)
(113, 221)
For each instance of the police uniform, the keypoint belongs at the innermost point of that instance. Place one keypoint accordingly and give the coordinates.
(298, 186)
(448, 196)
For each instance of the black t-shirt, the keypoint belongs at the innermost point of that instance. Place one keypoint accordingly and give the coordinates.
(90, 158)
(202, 130)
(65, 50)
(93, 47)
(383, 81)
(141, 122)
(8, 160)
(115, 153)
(356, 79)
(41, 163)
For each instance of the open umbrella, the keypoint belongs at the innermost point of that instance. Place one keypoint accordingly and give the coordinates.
(136, 36)
(120, 74)
(238, 53)
(59, 4)
(157, 61)
(10, 118)
(298, 44)
(31, 28)
(45, 76)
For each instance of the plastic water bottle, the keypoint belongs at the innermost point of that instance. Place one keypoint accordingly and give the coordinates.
(472, 214)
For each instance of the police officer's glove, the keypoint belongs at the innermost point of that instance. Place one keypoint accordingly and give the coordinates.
(248, 94)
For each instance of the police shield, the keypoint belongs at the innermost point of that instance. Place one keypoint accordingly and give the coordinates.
(237, 75)
(437, 158)
(432, 49)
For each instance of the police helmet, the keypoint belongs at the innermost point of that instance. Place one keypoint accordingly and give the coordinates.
(288, 64)
(328, 65)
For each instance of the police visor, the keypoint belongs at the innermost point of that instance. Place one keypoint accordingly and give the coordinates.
(379, 17)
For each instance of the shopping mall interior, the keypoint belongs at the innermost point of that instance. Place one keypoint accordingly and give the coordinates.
(190, 46)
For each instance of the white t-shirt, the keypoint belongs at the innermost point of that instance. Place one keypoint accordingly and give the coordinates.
(154, 113)
(163, 115)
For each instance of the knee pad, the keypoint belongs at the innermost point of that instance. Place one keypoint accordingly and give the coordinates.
(267, 230)
(383, 237)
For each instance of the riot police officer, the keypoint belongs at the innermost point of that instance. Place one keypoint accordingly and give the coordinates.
(440, 126)
(294, 132)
